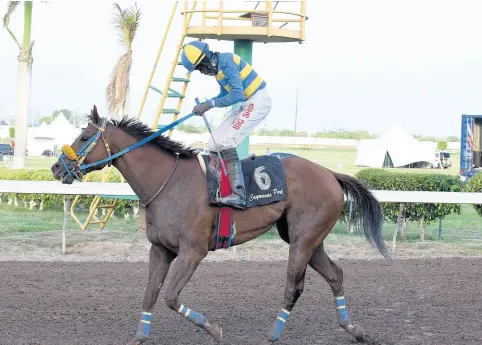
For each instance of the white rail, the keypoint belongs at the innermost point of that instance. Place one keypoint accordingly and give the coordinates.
(56, 187)
(123, 189)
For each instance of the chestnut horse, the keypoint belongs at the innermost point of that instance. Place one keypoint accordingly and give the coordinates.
(181, 223)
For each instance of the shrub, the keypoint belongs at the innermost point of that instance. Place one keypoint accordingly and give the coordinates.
(380, 179)
(54, 201)
(475, 185)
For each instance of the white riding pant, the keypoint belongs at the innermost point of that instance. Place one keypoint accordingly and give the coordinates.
(242, 119)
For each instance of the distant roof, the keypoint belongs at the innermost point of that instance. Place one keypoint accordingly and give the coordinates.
(402, 147)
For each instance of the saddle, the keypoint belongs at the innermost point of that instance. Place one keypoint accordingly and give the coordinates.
(265, 183)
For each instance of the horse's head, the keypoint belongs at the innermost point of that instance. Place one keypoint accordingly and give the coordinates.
(74, 161)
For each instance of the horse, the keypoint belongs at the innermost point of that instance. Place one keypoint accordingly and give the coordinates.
(182, 220)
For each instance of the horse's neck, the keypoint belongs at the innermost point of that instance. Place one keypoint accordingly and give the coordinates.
(145, 169)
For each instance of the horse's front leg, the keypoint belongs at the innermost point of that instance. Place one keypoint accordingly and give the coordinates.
(160, 260)
(183, 269)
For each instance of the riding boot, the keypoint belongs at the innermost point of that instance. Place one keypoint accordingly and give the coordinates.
(237, 198)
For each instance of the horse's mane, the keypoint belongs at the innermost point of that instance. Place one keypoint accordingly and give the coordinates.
(140, 131)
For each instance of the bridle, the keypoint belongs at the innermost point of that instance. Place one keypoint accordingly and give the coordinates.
(78, 171)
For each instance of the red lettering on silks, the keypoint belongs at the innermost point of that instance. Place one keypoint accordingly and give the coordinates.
(237, 124)
(248, 111)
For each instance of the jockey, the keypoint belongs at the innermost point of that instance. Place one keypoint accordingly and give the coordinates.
(242, 88)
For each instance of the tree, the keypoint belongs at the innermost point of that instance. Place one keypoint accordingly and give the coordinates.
(47, 119)
(286, 133)
(24, 72)
(11, 132)
(126, 22)
(453, 138)
(442, 145)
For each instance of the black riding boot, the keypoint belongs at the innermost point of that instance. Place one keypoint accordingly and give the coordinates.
(237, 198)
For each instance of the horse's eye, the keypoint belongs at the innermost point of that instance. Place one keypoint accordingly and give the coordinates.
(84, 138)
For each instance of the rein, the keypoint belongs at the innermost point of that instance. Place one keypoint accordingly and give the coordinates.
(78, 170)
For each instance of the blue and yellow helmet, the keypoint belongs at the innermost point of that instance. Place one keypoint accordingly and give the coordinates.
(193, 53)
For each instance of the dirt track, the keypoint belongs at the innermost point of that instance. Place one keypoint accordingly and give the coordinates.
(405, 302)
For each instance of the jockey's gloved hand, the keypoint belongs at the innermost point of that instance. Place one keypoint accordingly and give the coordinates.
(201, 108)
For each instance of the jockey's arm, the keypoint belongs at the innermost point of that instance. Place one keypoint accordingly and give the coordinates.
(222, 93)
(233, 77)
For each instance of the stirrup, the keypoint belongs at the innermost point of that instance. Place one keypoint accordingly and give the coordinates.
(233, 200)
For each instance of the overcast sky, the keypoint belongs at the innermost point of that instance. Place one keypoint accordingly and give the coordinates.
(365, 64)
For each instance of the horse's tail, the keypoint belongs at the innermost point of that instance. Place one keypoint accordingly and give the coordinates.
(367, 211)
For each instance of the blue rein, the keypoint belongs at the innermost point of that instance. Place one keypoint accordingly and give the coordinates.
(94, 139)
(139, 143)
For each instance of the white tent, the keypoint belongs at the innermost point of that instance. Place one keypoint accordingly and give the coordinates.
(396, 148)
(51, 137)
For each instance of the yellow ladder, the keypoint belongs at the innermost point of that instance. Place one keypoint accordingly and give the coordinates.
(92, 218)
(168, 92)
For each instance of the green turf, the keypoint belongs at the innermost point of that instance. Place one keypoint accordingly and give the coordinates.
(343, 159)
(36, 163)
(467, 226)
(337, 159)
(19, 219)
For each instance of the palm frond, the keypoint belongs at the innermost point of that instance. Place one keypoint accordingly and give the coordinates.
(126, 21)
(116, 91)
(11, 6)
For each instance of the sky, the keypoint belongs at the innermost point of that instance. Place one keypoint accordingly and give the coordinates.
(364, 65)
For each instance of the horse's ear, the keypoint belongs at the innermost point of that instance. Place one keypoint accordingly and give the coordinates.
(95, 115)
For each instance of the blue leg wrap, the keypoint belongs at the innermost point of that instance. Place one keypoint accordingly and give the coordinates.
(144, 326)
(195, 317)
(341, 309)
(279, 324)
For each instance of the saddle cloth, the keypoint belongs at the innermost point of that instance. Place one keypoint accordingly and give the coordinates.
(264, 179)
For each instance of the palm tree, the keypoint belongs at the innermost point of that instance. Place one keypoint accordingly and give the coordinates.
(127, 22)
(24, 73)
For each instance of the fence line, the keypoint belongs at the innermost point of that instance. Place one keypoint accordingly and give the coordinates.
(123, 189)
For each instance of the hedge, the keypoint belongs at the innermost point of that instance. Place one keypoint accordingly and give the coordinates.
(424, 213)
(52, 201)
(475, 185)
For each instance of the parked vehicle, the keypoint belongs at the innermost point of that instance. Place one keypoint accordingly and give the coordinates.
(442, 160)
(6, 150)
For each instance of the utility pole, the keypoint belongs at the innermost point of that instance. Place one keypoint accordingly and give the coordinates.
(296, 109)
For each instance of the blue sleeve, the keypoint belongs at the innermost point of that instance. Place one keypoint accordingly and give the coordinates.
(222, 93)
(233, 78)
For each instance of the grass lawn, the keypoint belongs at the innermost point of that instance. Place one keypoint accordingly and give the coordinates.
(36, 163)
(343, 159)
(18, 219)
(337, 159)
(466, 226)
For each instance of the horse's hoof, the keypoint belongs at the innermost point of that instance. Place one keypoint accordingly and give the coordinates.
(356, 331)
(214, 331)
(359, 333)
(135, 342)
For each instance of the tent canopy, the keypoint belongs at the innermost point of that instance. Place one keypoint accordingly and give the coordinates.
(396, 148)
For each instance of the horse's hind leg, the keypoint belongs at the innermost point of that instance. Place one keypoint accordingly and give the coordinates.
(183, 269)
(333, 274)
(299, 255)
(160, 260)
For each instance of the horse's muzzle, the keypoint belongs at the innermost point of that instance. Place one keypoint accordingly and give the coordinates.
(61, 174)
